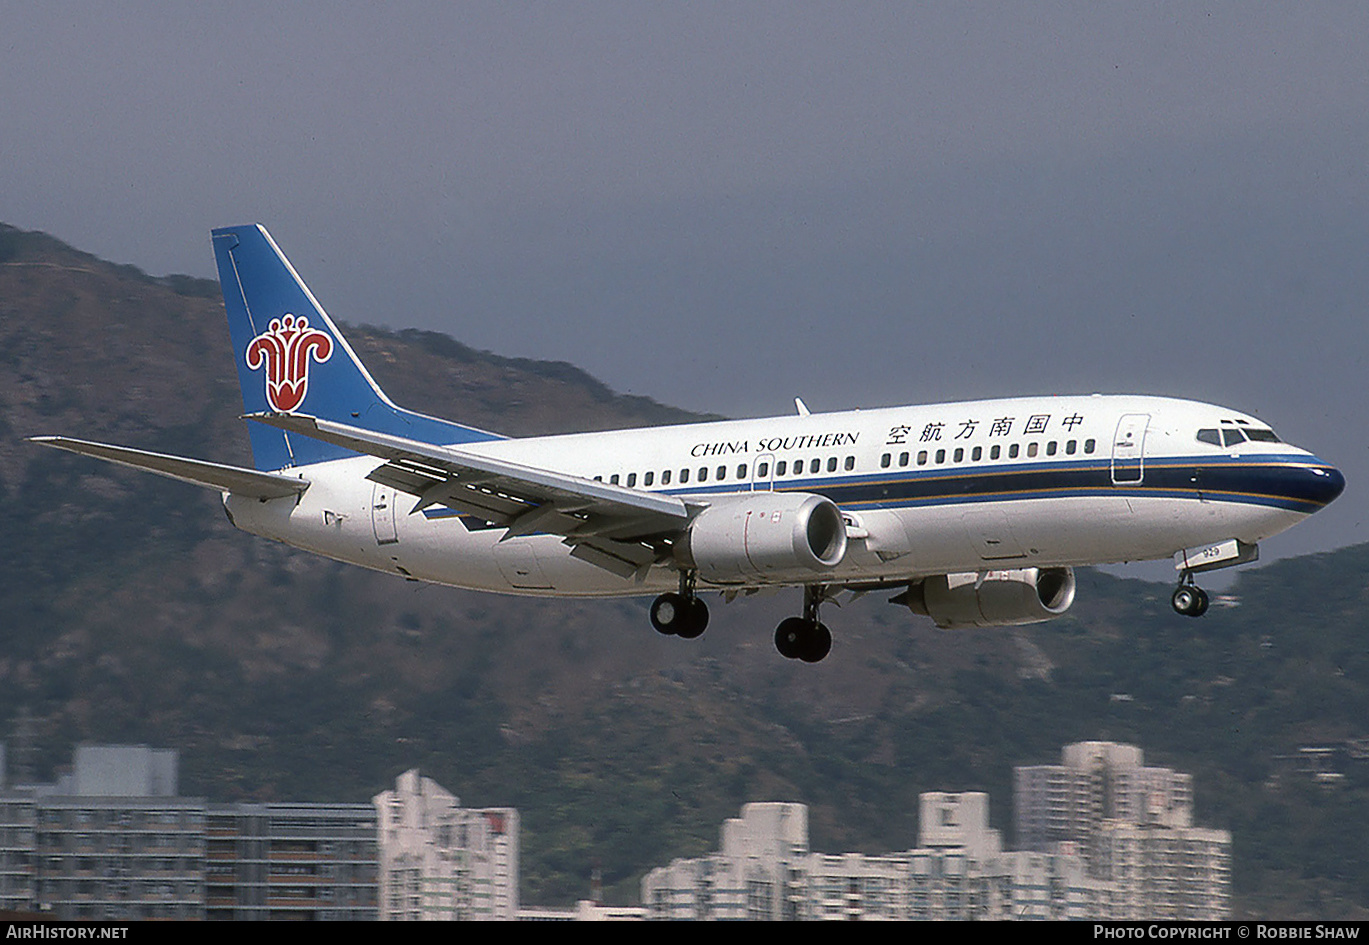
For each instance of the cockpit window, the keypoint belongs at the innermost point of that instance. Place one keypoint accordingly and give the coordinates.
(1232, 435)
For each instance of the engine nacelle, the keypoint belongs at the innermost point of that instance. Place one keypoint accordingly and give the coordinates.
(992, 598)
(764, 537)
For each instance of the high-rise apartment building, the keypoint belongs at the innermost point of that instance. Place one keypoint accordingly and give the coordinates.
(1096, 782)
(1108, 838)
(291, 861)
(439, 860)
(1133, 827)
(760, 872)
(113, 840)
(765, 870)
(110, 840)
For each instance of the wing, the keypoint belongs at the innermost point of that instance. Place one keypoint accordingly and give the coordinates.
(248, 482)
(621, 530)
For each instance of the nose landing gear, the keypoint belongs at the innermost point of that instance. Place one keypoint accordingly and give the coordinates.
(1189, 599)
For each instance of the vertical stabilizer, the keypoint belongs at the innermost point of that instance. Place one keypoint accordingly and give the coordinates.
(291, 358)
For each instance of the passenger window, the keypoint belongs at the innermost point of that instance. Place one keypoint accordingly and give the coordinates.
(977, 454)
(665, 478)
(959, 453)
(598, 478)
(1089, 445)
(1050, 448)
(832, 464)
(941, 456)
(922, 457)
(781, 467)
(613, 479)
(684, 476)
(1071, 446)
(903, 459)
(703, 474)
(995, 452)
(741, 471)
(648, 479)
(1013, 451)
(722, 473)
(631, 480)
(1032, 449)
(850, 463)
(885, 460)
(762, 470)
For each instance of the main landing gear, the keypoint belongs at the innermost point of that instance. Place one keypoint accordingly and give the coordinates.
(680, 614)
(1189, 599)
(805, 638)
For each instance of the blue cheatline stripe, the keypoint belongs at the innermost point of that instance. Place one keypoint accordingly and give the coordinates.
(1289, 483)
(1280, 483)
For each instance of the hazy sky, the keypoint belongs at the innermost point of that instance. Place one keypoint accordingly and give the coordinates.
(723, 206)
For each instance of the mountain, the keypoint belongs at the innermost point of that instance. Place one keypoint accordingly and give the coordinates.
(133, 612)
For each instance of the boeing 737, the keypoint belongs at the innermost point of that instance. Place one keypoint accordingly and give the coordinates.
(974, 513)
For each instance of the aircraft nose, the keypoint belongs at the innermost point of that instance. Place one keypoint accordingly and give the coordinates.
(1324, 482)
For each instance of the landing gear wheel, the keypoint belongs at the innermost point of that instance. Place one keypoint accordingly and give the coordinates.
(1190, 600)
(677, 615)
(818, 644)
(695, 619)
(800, 639)
(668, 613)
(789, 637)
(805, 638)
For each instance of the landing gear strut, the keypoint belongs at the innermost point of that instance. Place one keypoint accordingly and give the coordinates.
(1189, 599)
(680, 614)
(805, 638)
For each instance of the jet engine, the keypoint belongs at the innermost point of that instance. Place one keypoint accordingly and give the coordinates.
(992, 598)
(765, 537)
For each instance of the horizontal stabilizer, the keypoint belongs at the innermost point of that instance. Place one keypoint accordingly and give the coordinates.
(221, 478)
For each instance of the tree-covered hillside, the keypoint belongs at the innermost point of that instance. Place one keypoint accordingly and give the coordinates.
(131, 611)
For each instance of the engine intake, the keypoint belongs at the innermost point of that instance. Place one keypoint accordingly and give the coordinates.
(765, 537)
(992, 598)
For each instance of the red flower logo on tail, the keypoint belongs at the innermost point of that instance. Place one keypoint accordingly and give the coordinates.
(284, 350)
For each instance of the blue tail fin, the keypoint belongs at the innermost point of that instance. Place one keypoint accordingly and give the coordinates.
(292, 359)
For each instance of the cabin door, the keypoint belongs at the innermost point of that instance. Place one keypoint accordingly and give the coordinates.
(1128, 449)
(383, 514)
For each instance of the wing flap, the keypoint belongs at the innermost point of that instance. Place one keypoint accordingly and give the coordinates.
(622, 559)
(216, 476)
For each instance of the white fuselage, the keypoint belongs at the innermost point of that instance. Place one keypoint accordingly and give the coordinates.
(1027, 482)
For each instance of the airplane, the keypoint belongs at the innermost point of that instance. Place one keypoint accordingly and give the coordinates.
(974, 513)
